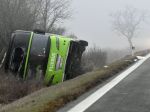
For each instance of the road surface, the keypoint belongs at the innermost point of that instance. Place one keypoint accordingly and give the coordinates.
(132, 94)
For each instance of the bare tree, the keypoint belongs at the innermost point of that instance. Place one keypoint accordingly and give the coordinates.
(52, 12)
(28, 14)
(58, 31)
(14, 14)
(127, 22)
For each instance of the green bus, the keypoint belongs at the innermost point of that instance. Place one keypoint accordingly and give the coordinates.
(36, 54)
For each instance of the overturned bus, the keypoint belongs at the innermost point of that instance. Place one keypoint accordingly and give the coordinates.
(36, 54)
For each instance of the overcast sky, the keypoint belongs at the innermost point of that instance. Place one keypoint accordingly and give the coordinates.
(92, 22)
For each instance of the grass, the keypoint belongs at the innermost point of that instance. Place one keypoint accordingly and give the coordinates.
(12, 89)
(52, 98)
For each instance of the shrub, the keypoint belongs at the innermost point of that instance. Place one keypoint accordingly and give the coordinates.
(94, 58)
(13, 88)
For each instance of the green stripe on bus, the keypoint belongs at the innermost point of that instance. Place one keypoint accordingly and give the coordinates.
(27, 57)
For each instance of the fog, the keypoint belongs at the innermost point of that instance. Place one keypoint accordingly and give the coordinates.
(91, 21)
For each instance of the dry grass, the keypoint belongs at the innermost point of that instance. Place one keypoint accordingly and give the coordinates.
(52, 98)
(11, 88)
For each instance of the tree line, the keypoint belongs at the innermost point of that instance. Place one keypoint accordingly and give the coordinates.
(32, 14)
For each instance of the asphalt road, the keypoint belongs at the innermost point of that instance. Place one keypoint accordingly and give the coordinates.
(132, 94)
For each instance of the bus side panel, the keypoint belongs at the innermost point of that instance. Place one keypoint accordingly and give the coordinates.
(57, 60)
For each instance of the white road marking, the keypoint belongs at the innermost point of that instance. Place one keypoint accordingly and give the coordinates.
(85, 104)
